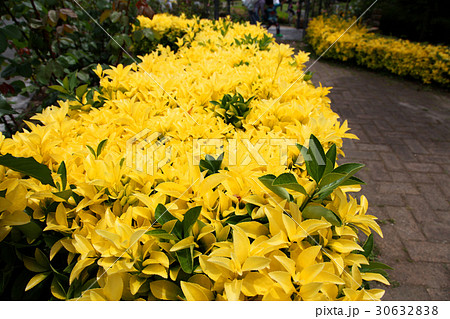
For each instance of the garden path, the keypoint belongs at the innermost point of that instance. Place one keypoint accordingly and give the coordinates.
(404, 135)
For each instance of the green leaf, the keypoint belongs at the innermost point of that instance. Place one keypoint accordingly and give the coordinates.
(59, 88)
(331, 154)
(12, 32)
(288, 180)
(91, 150)
(190, 217)
(348, 168)
(31, 230)
(80, 91)
(5, 107)
(137, 35)
(57, 289)
(267, 181)
(161, 233)
(316, 160)
(28, 166)
(149, 34)
(63, 172)
(373, 265)
(162, 215)
(3, 42)
(368, 246)
(338, 177)
(317, 212)
(186, 260)
(115, 16)
(64, 194)
(101, 146)
(72, 81)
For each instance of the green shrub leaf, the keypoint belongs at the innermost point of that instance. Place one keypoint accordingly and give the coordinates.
(28, 166)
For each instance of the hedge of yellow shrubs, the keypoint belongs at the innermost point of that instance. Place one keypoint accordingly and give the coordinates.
(425, 62)
(227, 229)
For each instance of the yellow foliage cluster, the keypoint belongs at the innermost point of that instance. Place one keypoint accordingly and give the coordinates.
(248, 243)
(425, 62)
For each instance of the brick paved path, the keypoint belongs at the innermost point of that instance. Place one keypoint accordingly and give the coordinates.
(405, 144)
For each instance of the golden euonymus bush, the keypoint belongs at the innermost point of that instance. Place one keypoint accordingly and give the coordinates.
(257, 223)
(425, 62)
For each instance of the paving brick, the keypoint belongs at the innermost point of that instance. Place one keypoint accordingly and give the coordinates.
(437, 232)
(392, 162)
(404, 153)
(438, 159)
(405, 224)
(420, 208)
(401, 177)
(427, 251)
(374, 147)
(397, 188)
(406, 293)
(443, 181)
(423, 167)
(434, 196)
(432, 275)
(439, 294)
(375, 198)
(415, 146)
(391, 249)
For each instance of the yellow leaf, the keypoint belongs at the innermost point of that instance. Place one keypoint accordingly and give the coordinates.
(114, 287)
(287, 263)
(32, 265)
(241, 244)
(55, 248)
(284, 279)
(368, 276)
(155, 270)
(135, 283)
(165, 290)
(233, 290)
(344, 245)
(184, 243)
(157, 257)
(255, 263)
(254, 229)
(326, 277)
(256, 283)
(14, 219)
(276, 293)
(57, 290)
(36, 280)
(291, 227)
(78, 268)
(310, 292)
(195, 292)
(60, 215)
(173, 189)
(309, 273)
(210, 182)
(82, 245)
(308, 257)
(202, 280)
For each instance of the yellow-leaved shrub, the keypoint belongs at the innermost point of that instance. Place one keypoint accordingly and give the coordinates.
(425, 62)
(221, 230)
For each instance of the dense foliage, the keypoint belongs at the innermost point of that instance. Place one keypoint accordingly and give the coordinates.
(42, 41)
(425, 62)
(83, 217)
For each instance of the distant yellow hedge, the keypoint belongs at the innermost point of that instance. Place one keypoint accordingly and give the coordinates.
(427, 63)
(224, 230)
